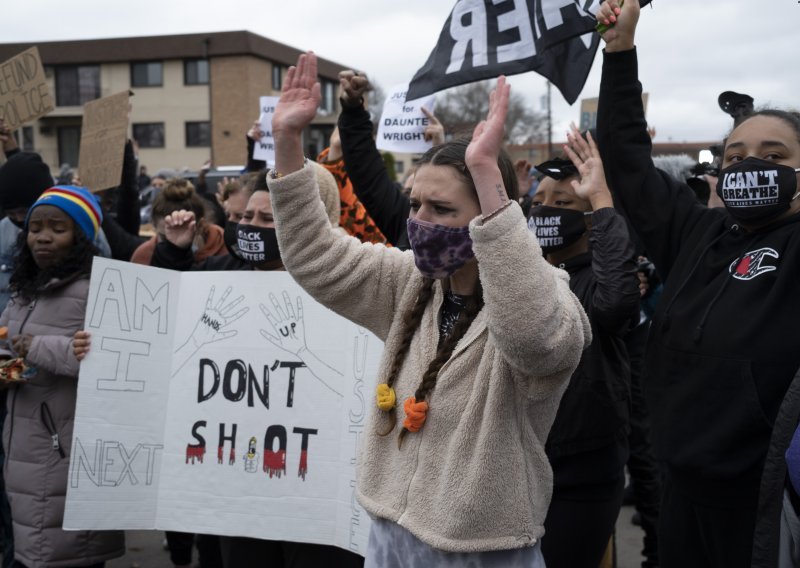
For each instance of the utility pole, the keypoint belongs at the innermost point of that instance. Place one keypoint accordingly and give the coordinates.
(549, 123)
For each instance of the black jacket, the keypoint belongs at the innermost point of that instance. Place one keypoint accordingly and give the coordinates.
(167, 255)
(122, 228)
(595, 408)
(770, 501)
(382, 198)
(721, 354)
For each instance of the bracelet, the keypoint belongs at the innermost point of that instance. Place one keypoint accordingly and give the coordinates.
(275, 174)
(496, 211)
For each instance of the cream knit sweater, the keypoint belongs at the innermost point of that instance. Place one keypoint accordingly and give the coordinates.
(476, 476)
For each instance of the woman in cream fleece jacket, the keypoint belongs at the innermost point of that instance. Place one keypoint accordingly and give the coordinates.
(470, 476)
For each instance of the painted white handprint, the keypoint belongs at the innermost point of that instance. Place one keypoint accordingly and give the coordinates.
(211, 325)
(289, 333)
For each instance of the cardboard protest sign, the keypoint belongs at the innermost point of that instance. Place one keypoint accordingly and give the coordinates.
(24, 95)
(103, 135)
(219, 403)
(403, 124)
(265, 148)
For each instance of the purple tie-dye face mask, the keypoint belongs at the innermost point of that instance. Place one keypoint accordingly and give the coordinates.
(439, 250)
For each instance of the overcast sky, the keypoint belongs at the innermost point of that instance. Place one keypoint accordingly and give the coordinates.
(689, 50)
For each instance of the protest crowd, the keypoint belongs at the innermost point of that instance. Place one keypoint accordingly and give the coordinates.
(545, 344)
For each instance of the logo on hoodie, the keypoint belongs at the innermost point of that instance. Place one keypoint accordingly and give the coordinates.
(751, 264)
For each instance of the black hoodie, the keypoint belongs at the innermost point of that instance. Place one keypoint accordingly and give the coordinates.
(722, 349)
(594, 410)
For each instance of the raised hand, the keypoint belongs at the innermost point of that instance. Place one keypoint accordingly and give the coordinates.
(488, 135)
(299, 99)
(353, 87)
(255, 133)
(524, 176)
(180, 227)
(7, 140)
(584, 154)
(484, 149)
(288, 327)
(434, 132)
(622, 17)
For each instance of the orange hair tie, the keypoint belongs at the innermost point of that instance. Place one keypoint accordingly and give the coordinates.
(416, 412)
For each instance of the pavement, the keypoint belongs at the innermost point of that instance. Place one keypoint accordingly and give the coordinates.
(146, 549)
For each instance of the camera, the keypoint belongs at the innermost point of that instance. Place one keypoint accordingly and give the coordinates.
(704, 169)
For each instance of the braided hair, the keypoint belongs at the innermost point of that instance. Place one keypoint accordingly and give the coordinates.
(451, 154)
(445, 350)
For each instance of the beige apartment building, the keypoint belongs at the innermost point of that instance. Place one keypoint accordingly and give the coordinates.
(195, 95)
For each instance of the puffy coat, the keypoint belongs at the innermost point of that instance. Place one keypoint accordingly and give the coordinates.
(38, 432)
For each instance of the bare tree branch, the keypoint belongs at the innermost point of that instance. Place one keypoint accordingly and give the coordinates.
(461, 108)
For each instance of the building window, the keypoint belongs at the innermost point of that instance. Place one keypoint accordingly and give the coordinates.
(147, 74)
(69, 143)
(195, 72)
(277, 77)
(24, 138)
(328, 89)
(198, 134)
(149, 134)
(76, 85)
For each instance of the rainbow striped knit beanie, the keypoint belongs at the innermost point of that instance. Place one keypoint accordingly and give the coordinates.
(77, 202)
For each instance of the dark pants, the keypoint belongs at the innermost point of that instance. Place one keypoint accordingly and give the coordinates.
(705, 534)
(587, 496)
(238, 552)
(642, 465)
(180, 549)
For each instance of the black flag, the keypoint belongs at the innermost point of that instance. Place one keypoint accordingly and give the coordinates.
(485, 38)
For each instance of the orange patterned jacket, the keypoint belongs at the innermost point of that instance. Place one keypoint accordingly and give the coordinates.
(354, 217)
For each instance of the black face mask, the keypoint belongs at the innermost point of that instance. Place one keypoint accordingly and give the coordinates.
(556, 227)
(756, 191)
(230, 238)
(257, 246)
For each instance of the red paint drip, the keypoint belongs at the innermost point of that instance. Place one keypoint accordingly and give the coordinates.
(232, 457)
(303, 469)
(275, 462)
(195, 453)
(219, 454)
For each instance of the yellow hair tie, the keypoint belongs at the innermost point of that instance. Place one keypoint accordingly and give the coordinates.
(416, 412)
(386, 397)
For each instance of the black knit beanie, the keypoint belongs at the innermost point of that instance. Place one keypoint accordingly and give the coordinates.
(23, 178)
